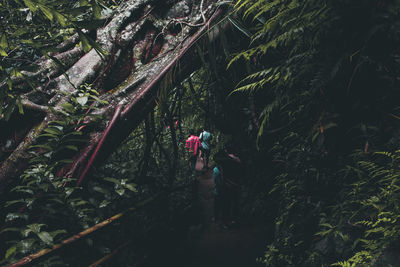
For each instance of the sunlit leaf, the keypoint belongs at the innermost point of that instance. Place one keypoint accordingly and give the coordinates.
(32, 6)
(113, 180)
(104, 203)
(131, 187)
(19, 104)
(46, 11)
(120, 191)
(85, 41)
(96, 9)
(3, 52)
(11, 251)
(60, 18)
(35, 227)
(82, 100)
(68, 107)
(3, 41)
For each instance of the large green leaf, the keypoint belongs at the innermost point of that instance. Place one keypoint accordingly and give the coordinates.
(131, 187)
(31, 5)
(68, 107)
(96, 9)
(60, 18)
(82, 100)
(35, 227)
(3, 52)
(113, 180)
(45, 237)
(84, 41)
(46, 11)
(3, 41)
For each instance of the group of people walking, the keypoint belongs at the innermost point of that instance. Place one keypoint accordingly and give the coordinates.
(199, 145)
(226, 175)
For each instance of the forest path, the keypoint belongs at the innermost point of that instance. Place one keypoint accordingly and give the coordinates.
(205, 243)
(209, 245)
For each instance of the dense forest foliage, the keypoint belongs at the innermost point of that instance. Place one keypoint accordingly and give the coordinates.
(325, 78)
(305, 90)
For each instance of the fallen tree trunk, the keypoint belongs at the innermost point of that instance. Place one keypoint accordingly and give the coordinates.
(144, 41)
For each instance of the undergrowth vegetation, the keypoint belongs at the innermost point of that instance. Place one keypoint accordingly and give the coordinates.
(42, 202)
(325, 78)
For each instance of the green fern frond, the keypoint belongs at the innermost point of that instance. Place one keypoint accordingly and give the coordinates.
(263, 74)
(264, 9)
(343, 264)
(240, 4)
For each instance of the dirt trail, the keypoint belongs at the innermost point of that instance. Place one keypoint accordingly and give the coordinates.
(212, 246)
(209, 245)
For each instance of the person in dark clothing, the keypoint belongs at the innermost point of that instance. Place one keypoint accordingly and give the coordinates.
(220, 214)
(232, 179)
(218, 181)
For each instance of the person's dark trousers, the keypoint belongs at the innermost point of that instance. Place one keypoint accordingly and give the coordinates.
(193, 160)
(231, 204)
(206, 157)
(234, 204)
(226, 205)
(217, 207)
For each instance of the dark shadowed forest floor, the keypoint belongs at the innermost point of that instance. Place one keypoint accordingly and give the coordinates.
(209, 245)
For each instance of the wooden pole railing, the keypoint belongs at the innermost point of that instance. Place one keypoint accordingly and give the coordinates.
(110, 255)
(85, 233)
(82, 234)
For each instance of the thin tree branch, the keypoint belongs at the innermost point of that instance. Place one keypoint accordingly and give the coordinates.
(26, 103)
(96, 151)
